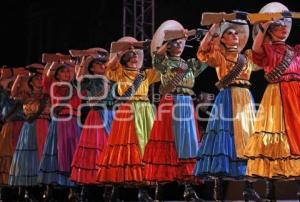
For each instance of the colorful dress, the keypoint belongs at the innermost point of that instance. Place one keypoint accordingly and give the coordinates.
(121, 161)
(171, 151)
(96, 129)
(9, 133)
(63, 135)
(274, 148)
(25, 164)
(231, 121)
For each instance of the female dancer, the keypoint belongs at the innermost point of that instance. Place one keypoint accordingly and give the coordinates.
(121, 162)
(64, 132)
(96, 128)
(25, 163)
(171, 151)
(11, 120)
(231, 122)
(274, 149)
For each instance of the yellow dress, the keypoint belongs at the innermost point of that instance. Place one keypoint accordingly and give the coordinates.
(124, 76)
(269, 149)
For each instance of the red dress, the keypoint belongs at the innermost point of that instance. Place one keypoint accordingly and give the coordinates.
(162, 163)
(94, 134)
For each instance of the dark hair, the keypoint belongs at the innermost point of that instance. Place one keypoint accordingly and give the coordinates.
(270, 30)
(30, 80)
(275, 24)
(171, 44)
(94, 61)
(57, 70)
(127, 56)
(29, 83)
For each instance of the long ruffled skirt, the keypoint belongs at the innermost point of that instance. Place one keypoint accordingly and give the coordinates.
(9, 133)
(25, 163)
(121, 161)
(171, 151)
(61, 142)
(93, 140)
(230, 124)
(273, 150)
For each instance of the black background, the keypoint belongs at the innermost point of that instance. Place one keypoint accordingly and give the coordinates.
(29, 28)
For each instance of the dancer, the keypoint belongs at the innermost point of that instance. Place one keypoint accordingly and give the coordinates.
(25, 163)
(171, 151)
(121, 162)
(231, 122)
(11, 120)
(274, 148)
(96, 128)
(63, 134)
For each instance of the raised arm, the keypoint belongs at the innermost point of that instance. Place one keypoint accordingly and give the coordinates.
(205, 43)
(79, 70)
(17, 90)
(113, 62)
(51, 68)
(163, 49)
(259, 39)
(249, 55)
(159, 58)
(46, 69)
(197, 66)
(209, 50)
(113, 69)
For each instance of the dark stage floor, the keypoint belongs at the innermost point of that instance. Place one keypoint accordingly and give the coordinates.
(285, 191)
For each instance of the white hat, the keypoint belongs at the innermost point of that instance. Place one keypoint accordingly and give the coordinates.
(139, 52)
(159, 35)
(35, 68)
(273, 7)
(90, 59)
(240, 26)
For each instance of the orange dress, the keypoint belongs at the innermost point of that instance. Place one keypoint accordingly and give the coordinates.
(121, 161)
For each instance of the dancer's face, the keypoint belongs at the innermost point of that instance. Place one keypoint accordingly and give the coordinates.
(230, 38)
(132, 59)
(36, 81)
(279, 30)
(64, 74)
(175, 48)
(98, 68)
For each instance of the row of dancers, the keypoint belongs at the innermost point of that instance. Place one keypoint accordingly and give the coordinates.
(124, 142)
